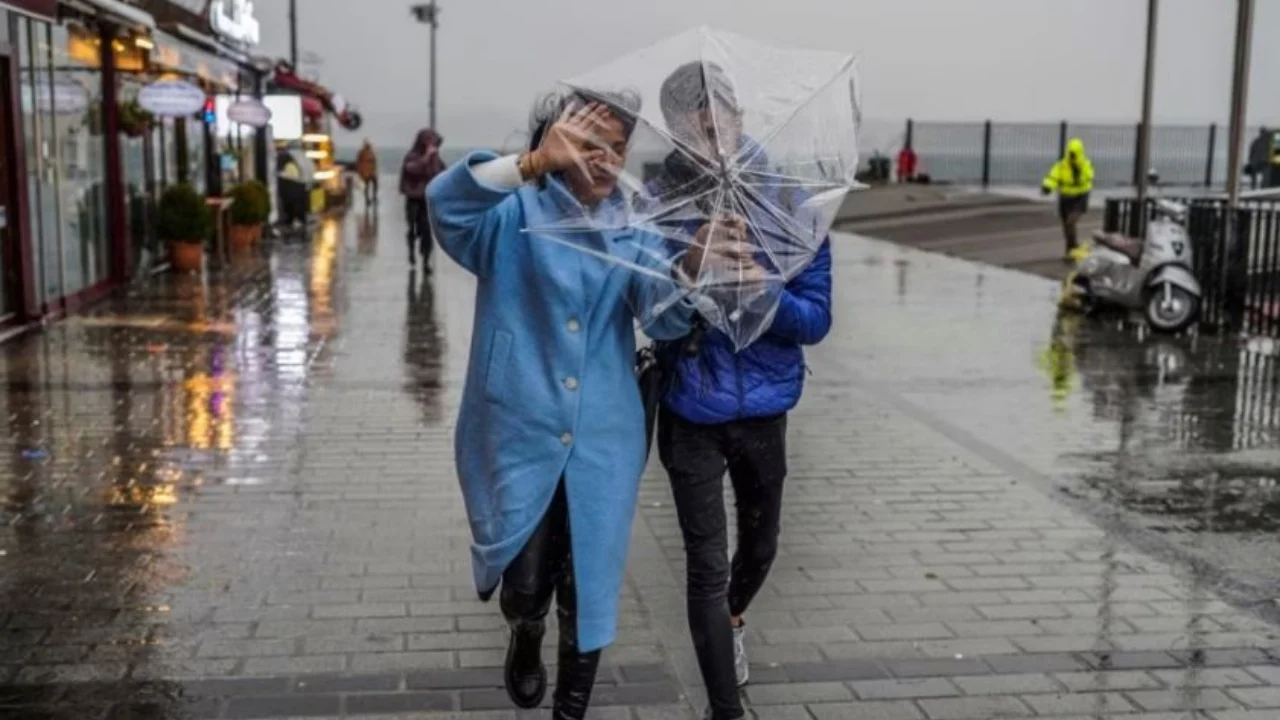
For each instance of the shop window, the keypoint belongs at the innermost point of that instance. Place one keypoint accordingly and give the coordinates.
(135, 156)
(38, 97)
(81, 150)
(197, 174)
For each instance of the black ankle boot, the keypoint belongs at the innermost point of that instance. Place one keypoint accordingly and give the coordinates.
(576, 675)
(525, 675)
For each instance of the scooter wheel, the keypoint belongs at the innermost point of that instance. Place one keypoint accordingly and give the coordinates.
(1170, 309)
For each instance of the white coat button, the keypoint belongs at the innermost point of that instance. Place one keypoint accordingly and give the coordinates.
(571, 383)
(573, 325)
(566, 439)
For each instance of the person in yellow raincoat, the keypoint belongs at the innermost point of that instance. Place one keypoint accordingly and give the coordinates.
(1072, 178)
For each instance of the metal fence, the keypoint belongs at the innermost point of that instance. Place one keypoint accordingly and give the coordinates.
(1241, 279)
(999, 153)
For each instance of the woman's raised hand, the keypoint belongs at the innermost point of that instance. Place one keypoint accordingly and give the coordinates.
(570, 142)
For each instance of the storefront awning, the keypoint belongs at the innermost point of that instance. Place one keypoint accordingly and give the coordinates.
(121, 13)
(189, 58)
(39, 8)
(212, 44)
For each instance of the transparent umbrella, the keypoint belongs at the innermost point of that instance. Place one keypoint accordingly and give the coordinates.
(737, 157)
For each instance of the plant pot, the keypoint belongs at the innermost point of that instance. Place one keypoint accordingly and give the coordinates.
(186, 256)
(242, 237)
(257, 232)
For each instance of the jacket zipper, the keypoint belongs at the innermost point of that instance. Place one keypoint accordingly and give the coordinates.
(737, 366)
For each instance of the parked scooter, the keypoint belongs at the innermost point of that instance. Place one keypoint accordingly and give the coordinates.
(1155, 276)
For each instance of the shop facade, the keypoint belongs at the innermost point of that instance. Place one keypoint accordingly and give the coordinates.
(205, 43)
(83, 165)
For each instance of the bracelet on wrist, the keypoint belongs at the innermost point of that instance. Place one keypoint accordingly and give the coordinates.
(525, 165)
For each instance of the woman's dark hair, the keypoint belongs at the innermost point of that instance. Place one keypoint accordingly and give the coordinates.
(691, 87)
(624, 105)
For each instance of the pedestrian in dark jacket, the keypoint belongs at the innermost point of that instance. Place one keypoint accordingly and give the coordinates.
(420, 166)
(1259, 159)
(727, 410)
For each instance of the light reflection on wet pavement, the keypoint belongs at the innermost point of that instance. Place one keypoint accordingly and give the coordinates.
(236, 499)
(1174, 436)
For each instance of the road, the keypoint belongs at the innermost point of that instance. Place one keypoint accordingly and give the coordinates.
(998, 229)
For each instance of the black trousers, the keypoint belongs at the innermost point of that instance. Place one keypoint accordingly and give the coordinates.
(1070, 210)
(371, 191)
(696, 458)
(419, 235)
(543, 568)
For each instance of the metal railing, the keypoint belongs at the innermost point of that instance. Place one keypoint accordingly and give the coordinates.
(1009, 153)
(1241, 279)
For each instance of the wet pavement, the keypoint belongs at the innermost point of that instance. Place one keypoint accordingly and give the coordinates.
(235, 498)
(989, 228)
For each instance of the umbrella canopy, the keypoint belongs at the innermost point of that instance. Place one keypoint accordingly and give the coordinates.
(736, 154)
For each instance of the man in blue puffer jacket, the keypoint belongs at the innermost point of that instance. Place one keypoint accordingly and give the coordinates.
(727, 410)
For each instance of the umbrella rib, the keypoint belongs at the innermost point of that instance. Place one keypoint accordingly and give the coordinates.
(794, 181)
(786, 222)
(754, 228)
(759, 146)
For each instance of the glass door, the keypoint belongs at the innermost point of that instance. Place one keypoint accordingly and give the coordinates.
(10, 269)
(40, 148)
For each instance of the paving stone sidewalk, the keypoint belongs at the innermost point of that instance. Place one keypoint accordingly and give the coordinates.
(253, 513)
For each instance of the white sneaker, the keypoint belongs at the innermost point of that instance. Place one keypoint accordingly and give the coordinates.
(741, 668)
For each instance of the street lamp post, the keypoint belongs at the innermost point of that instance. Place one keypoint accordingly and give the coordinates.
(1239, 98)
(1235, 142)
(293, 34)
(1148, 87)
(429, 14)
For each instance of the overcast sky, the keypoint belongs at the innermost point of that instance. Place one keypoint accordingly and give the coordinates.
(1030, 60)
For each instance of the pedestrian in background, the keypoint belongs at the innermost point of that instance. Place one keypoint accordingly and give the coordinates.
(550, 440)
(1072, 178)
(1259, 159)
(727, 410)
(907, 161)
(367, 170)
(421, 165)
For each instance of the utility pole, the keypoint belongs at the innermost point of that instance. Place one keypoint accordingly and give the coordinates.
(1148, 89)
(293, 34)
(1239, 98)
(429, 13)
(1235, 141)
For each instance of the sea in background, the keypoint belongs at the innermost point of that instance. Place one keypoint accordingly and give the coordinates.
(1017, 153)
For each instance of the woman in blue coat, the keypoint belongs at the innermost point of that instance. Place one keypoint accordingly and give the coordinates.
(550, 436)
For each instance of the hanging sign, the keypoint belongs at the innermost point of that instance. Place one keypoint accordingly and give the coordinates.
(233, 20)
(171, 98)
(249, 112)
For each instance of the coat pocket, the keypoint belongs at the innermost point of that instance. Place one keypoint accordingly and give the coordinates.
(495, 379)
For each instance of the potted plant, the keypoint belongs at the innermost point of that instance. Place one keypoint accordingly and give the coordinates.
(134, 121)
(246, 216)
(264, 205)
(184, 222)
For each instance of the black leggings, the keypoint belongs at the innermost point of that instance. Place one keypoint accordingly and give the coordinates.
(545, 567)
(419, 234)
(1070, 210)
(696, 457)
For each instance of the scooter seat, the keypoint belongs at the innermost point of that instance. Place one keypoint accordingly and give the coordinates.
(1127, 246)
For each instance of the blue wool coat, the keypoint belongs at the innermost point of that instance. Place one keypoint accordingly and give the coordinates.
(551, 390)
